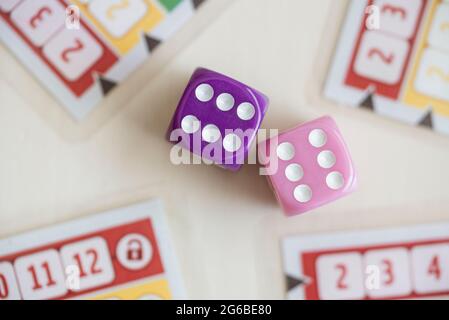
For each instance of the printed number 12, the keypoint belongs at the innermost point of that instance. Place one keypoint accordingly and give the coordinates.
(93, 267)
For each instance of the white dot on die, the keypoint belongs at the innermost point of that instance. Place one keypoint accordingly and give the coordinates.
(232, 142)
(317, 138)
(335, 180)
(246, 111)
(211, 133)
(302, 193)
(326, 159)
(225, 102)
(204, 92)
(285, 151)
(294, 172)
(190, 124)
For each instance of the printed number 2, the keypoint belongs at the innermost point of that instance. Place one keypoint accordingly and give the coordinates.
(341, 279)
(37, 285)
(340, 276)
(381, 57)
(119, 6)
(78, 46)
(432, 70)
(388, 59)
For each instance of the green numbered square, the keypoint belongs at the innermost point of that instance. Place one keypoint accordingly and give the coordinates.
(170, 4)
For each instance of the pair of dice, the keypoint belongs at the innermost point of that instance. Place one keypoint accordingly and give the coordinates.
(218, 119)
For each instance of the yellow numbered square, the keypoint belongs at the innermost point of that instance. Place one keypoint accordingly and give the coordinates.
(121, 22)
(147, 290)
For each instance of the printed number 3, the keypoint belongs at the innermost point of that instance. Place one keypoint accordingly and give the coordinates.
(388, 271)
(39, 16)
(395, 10)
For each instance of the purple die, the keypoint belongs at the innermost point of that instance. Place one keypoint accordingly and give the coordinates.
(217, 118)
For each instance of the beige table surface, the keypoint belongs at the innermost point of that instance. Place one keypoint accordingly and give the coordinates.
(226, 227)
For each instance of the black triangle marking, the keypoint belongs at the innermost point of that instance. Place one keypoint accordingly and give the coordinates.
(152, 43)
(294, 282)
(427, 121)
(197, 3)
(106, 85)
(368, 102)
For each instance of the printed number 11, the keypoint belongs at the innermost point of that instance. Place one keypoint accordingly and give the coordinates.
(37, 285)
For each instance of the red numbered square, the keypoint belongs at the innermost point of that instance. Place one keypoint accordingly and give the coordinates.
(40, 276)
(73, 52)
(39, 20)
(431, 268)
(387, 273)
(8, 5)
(8, 284)
(381, 57)
(399, 17)
(87, 264)
(340, 276)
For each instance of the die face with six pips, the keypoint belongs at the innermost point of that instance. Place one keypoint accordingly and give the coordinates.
(312, 166)
(217, 118)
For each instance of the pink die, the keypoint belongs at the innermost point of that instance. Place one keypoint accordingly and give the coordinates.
(308, 166)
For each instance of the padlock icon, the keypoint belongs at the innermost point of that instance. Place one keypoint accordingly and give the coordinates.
(135, 251)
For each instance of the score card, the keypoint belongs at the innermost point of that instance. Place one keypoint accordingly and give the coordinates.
(397, 67)
(402, 263)
(121, 254)
(82, 49)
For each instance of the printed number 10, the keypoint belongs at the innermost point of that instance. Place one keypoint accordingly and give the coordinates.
(4, 292)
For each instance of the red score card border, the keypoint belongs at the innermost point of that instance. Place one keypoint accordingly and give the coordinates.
(112, 236)
(80, 86)
(391, 91)
(308, 260)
